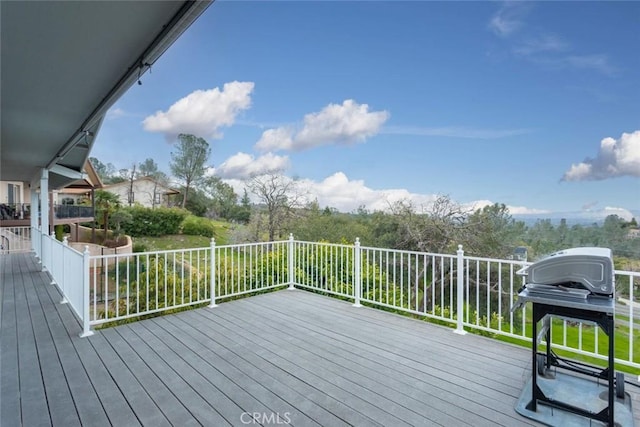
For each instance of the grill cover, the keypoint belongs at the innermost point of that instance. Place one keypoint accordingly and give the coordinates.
(589, 268)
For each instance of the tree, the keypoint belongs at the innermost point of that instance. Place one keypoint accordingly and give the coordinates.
(223, 199)
(130, 175)
(107, 173)
(434, 228)
(492, 232)
(188, 162)
(106, 204)
(148, 168)
(280, 196)
(243, 211)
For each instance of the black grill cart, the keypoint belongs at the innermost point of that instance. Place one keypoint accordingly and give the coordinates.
(576, 285)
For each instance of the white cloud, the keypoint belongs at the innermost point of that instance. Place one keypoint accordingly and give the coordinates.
(601, 214)
(344, 123)
(542, 44)
(454, 132)
(506, 20)
(243, 166)
(597, 62)
(116, 113)
(513, 210)
(276, 139)
(616, 158)
(202, 112)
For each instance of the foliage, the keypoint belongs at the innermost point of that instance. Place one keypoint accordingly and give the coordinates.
(139, 247)
(154, 222)
(106, 205)
(330, 226)
(198, 203)
(59, 232)
(148, 168)
(171, 242)
(543, 237)
(198, 226)
(188, 161)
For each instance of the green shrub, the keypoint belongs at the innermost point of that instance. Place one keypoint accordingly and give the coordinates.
(59, 230)
(153, 222)
(139, 247)
(198, 226)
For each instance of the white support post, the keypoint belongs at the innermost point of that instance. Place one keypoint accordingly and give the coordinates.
(52, 268)
(65, 243)
(291, 266)
(44, 202)
(86, 311)
(357, 286)
(212, 292)
(460, 298)
(34, 220)
(44, 216)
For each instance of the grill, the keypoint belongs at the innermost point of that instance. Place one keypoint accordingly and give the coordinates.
(576, 284)
(574, 273)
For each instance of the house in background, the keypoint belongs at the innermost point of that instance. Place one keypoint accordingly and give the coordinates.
(72, 204)
(144, 191)
(12, 200)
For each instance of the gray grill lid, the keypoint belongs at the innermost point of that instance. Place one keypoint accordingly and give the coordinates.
(590, 268)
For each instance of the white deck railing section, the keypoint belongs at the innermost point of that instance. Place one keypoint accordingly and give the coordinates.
(468, 292)
(68, 269)
(15, 240)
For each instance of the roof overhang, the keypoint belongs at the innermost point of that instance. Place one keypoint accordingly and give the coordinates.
(64, 64)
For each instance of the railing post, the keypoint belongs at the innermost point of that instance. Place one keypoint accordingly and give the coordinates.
(86, 312)
(290, 268)
(356, 274)
(460, 300)
(212, 281)
(65, 243)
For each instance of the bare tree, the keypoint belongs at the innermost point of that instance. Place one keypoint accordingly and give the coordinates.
(432, 228)
(280, 195)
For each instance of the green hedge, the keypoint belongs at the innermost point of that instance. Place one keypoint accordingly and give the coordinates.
(154, 222)
(198, 226)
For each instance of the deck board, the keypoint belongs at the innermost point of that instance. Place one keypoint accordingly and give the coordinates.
(309, 359)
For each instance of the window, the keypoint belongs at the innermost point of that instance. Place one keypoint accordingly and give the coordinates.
(157, 198)
(131, 196)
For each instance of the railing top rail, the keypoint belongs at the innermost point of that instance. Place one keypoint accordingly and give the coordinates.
(242, 245)
(404, 251)
(502, 260)
(338, 245)
(627, 273)
(162, 252)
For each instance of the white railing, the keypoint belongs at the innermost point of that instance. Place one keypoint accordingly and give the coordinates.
(141, 284)
(471, 293)
(15, 240)
(36, 242)
(67, 269)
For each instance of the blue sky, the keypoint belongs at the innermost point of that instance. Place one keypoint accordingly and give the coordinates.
(531, 104)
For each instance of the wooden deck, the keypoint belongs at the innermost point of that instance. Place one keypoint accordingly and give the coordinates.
(288, 357)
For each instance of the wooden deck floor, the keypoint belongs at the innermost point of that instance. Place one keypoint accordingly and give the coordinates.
(289, 357)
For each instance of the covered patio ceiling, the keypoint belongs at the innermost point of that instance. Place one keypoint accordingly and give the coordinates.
(63, 65)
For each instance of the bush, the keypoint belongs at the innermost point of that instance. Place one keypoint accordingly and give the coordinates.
(59, 231)
(198, 226)
(153, 222)
(139, 247)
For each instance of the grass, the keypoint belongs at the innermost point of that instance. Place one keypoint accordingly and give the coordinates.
(169, 242)
(183, 241)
